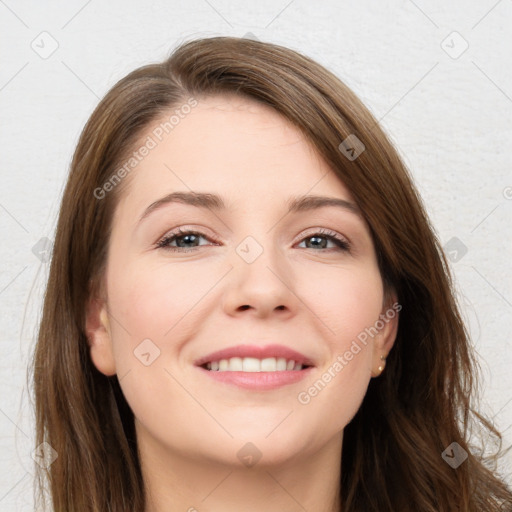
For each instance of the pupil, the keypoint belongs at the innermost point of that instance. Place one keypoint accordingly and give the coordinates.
(184, 238)
(322, 244)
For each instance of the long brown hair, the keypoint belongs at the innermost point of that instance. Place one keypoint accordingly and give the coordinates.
(424, 401)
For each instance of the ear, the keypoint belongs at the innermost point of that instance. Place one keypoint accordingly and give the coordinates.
(97, 327)
(385, 339)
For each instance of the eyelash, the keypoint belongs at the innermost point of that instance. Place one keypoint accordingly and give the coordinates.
(342, 244)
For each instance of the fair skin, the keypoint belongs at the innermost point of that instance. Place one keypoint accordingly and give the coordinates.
(302, 291)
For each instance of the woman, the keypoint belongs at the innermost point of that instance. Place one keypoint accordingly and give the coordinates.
(203, 347)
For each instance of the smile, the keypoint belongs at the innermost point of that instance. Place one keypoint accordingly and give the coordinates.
(256, 367)
(253, 364)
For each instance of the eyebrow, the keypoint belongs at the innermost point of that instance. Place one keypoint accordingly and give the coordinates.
(215, 202)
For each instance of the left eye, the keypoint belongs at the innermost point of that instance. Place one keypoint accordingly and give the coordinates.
(329, 236)
(184, 238)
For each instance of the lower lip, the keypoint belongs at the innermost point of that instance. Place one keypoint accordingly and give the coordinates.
(259, 380)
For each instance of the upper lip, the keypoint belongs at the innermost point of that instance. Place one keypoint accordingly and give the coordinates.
(257, 351)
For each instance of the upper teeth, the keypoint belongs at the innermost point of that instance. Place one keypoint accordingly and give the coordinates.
(252, 364)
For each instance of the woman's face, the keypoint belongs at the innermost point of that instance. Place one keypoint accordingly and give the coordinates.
(259, 278)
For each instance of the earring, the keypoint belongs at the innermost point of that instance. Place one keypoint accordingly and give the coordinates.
(381, 367)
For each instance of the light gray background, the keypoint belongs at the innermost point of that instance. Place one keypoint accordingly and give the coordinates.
(448, 110)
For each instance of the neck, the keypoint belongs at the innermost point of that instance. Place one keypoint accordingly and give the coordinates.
(175, 483)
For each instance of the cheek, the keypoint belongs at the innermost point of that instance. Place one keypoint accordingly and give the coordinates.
(346, 300)
(151, 300)
(349, 303)
(157, 307)
(154, 307)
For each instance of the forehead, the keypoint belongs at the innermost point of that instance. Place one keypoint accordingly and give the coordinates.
(235, 146)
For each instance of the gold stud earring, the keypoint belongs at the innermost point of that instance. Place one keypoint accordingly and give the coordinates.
(381, 367)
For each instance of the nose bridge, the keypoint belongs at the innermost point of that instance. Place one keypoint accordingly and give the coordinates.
(260, 277)
(258, 256)
(258, 245)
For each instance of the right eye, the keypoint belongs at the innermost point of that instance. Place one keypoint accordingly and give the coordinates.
(182, 238)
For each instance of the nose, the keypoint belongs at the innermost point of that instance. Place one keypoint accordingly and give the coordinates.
(263, 286)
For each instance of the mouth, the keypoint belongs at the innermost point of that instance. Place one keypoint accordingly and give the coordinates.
(256, 367)
(253, 364)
